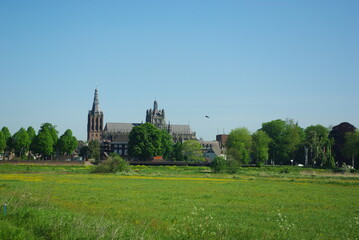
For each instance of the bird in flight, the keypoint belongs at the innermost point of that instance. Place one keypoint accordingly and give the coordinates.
(207, 116)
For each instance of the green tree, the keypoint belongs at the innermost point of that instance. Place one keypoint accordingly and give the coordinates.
(2, 142)
(239, 144)
(192, 151)
(31, 132)
(167, 144)
(319, 144)
(177, 154)
(287, 137)
(52, 130)
(21, 142)
(67, 143)
(260, 147)
(94, 149)
(351, 145)
(147, 141)
(6, 133)
(8, 139)
(84, 151)
(276, 131)
(43, 143)
(338, 134)
(293, 139)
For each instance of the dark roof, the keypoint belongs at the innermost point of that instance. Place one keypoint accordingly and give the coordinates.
(214, 145)
(120, 127)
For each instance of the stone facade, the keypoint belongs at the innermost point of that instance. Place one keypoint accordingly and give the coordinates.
(156, 117)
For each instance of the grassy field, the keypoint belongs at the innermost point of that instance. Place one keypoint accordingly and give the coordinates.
(67, 202)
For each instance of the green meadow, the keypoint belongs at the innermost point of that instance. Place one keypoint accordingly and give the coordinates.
(68, 202)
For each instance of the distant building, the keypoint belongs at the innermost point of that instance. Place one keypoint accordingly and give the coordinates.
(95, 120)
(222, 139)
(114, 137)
(156, 117)
(211, 149)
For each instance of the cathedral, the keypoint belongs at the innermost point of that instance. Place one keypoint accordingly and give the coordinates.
(114, 136)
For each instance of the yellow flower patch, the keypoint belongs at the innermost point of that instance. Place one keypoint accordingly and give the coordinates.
(21, 177)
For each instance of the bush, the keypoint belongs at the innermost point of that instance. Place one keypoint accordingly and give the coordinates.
(219, 164)
(233, 166)
(112, 164)
(284, 170)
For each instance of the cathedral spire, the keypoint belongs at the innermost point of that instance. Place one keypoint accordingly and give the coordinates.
(95, 120)
(96, 103)
(155, 106)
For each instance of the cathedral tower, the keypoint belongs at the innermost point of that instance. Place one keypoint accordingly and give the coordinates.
(156, 117)
(95, 120)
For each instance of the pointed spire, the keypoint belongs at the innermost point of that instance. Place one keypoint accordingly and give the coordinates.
(96, 103)
(155, 105)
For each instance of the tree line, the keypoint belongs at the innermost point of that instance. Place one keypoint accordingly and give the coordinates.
(278, 142)
(46, 144)
(284, 142)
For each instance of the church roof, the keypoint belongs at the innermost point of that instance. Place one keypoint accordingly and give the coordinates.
(120, 127)
(175, 128)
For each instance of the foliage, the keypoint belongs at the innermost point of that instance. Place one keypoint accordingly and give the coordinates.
(286, 137)
(6, 132)
(233, 166)
(260, 147)
(84, 151)
(338, 134)
(31, 132)
(192, 151)
(239, 144)
(21, 142)
(319, 144)
(112, 164)
(294, 137)
(52, 130)
(67, 143)
(219, 164)
(284, 170)
(2, 142)
(351, 145)
(8, 138)
(177, 154)
(167, 144)
(43, 143)
(276, 131)
(94, 149)
(147, 141)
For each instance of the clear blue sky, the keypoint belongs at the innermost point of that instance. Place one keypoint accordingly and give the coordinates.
(240, 62)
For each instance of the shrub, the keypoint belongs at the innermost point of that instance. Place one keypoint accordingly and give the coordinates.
(284, 170)
(219, 164)
(233, 166)
(112, 164)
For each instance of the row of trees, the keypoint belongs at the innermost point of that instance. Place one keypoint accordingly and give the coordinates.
(285, 142)
(277, 142)
(45, 144)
